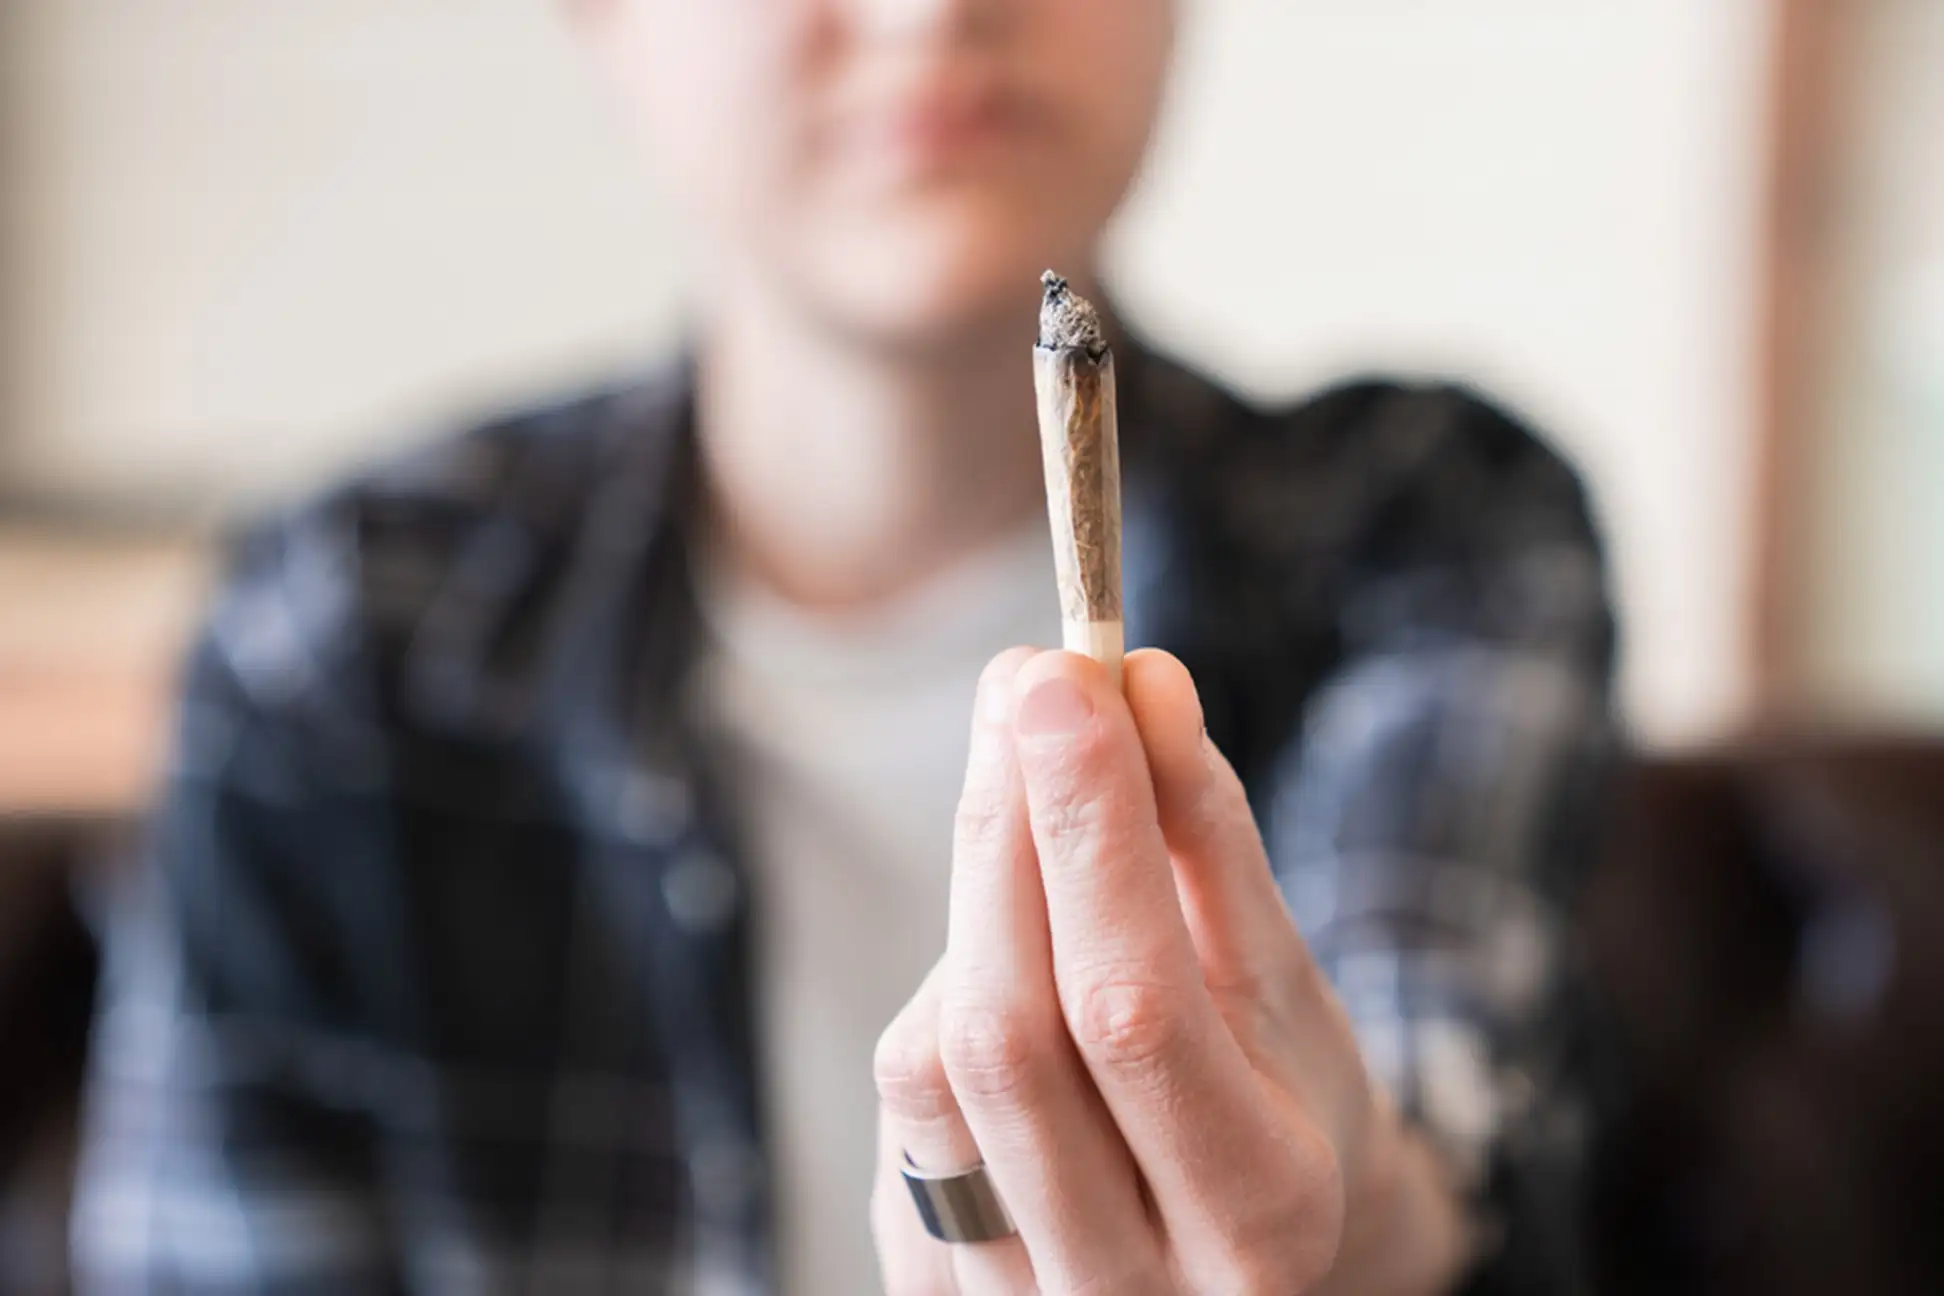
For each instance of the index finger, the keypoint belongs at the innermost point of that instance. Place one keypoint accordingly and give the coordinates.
(1110, 889)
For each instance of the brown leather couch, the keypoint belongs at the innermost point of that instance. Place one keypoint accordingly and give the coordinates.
(47, 979)
(1769, 935)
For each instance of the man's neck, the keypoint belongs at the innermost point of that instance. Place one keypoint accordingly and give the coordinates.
(840, 474)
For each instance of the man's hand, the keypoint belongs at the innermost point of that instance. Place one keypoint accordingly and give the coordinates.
(1129, 1031)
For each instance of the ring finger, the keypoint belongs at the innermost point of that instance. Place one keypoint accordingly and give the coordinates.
(922, 1124)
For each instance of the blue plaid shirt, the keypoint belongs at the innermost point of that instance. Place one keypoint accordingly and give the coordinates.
(440, 978)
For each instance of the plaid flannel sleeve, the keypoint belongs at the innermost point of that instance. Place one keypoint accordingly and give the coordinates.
(1432, 823)
(227, 1146)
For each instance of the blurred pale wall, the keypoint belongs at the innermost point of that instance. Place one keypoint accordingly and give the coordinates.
(252, 242)
(1874, 616)
(258, 240)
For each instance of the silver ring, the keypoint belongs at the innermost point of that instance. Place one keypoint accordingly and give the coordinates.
(962, 1207)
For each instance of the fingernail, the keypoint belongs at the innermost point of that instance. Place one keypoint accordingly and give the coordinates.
(1055, 708)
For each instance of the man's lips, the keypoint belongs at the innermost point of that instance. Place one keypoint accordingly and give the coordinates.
(938, 128)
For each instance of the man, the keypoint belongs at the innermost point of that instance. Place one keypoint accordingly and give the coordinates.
(559, 816)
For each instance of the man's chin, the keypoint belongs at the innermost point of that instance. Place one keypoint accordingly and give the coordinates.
(911, 291)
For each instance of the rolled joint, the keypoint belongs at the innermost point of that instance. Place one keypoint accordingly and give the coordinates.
(1079, 439)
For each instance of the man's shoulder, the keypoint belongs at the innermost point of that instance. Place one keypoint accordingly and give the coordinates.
(1377, 506)
(434, 551)
(1377, 514)
(535, 465)
(1371, 460)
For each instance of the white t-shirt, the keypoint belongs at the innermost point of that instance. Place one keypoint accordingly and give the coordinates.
(844, 743)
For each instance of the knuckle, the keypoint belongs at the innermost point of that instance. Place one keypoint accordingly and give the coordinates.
(1071, 778)
(1080, 820)
(1074, 812)
(911, 1080)
(983, 817)
(1129, 1022)
(990, 1052)
(1251, 1005)
(1152, 1279)
(1266, 1272)
(1290, 1262)
(1289, 1241)
(999, 673)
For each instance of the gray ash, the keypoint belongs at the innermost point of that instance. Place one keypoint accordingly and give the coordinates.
(1068, 321)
